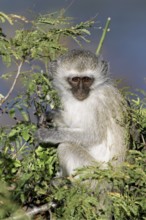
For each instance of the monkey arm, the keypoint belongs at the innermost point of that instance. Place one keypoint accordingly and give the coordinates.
(61, 135)
(51, 118)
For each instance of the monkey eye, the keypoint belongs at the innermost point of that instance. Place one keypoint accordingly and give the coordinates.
(87, 79)
(76, 79)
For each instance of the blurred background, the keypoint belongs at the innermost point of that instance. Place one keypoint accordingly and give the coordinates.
(125, 44)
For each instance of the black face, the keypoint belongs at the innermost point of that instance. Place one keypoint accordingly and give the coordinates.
(80, 86)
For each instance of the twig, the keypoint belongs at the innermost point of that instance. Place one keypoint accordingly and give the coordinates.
(70, 4)
(143, 140)
(34, 211)
(105, 30)
(13, 85)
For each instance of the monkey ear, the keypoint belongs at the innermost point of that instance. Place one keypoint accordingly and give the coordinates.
(52, 68)
(105, 67)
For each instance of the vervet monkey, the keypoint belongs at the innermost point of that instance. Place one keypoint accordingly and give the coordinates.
(90, 126)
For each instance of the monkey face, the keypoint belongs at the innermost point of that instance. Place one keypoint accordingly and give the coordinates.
(80, 86)
(77, 74)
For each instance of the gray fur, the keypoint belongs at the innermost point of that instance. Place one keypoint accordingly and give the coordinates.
(92, 129)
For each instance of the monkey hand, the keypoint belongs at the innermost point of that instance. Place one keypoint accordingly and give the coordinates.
(44, 135)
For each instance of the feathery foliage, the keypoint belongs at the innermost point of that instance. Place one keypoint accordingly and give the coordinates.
(27, 171)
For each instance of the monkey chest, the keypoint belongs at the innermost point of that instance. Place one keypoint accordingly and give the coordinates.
(79, 116)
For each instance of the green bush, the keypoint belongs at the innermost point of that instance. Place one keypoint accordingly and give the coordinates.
(27, 171)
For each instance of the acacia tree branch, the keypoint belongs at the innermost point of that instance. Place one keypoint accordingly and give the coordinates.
(34, 211)
(13, 85)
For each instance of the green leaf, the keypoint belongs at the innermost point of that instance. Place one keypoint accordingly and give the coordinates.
(4, 17)
(25, 134)
(25, 115)
(13, 132)
(12, 112)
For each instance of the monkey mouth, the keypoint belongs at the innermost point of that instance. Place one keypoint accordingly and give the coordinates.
(81, 97)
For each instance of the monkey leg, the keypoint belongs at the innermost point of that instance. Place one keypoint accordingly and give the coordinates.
(71, 157)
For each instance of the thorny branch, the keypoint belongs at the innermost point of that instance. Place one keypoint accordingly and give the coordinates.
(13, 85)
(34, 211)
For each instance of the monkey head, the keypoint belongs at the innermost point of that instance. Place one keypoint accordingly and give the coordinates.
(79, 72)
